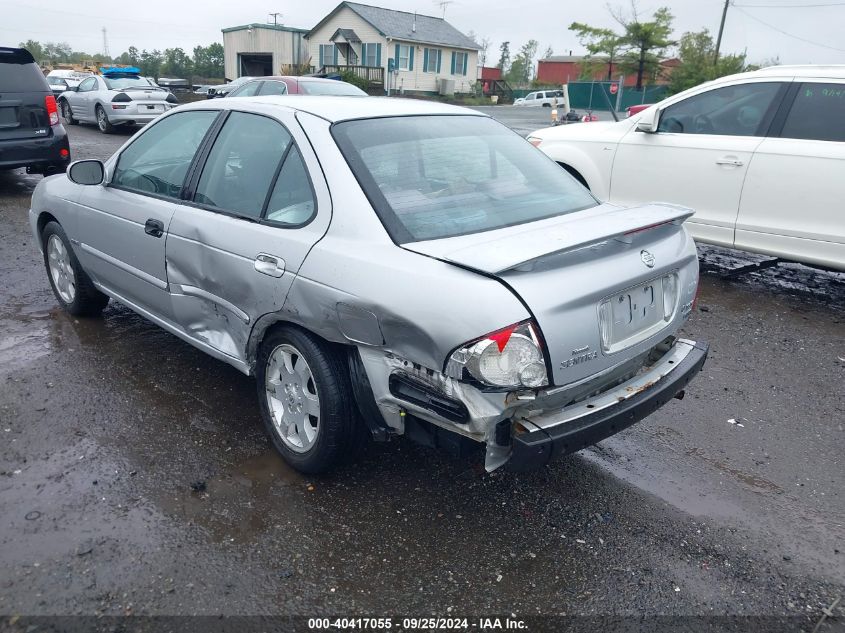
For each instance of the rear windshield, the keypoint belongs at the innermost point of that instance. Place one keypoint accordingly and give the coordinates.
(19, 73)
(335, 88)
(128, 82)
(432, 177)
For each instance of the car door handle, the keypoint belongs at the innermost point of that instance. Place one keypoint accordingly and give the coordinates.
(270, 265)
(154, 227)
(729, 160)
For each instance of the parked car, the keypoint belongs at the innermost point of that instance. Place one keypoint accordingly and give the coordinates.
(470, 293)
(68, 76)
(115, 98)
(297, 85)
(31, 134)
(634, 109)
(215, 92)
(203, 89)
(759, 156)
(544, 98)
(58, 85)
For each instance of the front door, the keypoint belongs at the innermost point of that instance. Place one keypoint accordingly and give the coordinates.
(123, 224)
(699, 156)
(79, 100)
(234, 250)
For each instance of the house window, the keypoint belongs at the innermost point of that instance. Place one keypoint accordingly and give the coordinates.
(431, 60)
(371, 55)
(404, 57)
(459, 63)
(328, 54)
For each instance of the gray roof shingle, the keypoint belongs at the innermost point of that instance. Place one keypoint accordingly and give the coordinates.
(400, 25)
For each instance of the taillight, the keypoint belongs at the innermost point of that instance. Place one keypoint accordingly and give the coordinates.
(121, 97)
(535, 141)
(52, 109)
(171, 98)
(510, 358)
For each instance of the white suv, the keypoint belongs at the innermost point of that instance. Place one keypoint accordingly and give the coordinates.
(760, 156)
(544, 98)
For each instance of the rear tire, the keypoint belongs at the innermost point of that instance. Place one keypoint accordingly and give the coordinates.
(67, 114)
(71, 285)
(103, 121)
(305, 399)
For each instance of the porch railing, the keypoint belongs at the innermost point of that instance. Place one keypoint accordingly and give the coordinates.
(372, 74)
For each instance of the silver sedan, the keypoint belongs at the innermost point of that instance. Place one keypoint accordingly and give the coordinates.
(383, 267)
(113, 100)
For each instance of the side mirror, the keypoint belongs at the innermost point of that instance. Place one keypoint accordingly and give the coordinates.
(87, 172)
(649, 120)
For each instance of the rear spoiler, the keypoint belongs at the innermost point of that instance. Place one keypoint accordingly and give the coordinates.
(518, 246)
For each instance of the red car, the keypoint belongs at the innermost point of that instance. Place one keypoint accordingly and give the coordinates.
(632, 110)
(287, 85)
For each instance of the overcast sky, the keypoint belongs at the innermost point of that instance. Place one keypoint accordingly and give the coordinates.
(791, 30)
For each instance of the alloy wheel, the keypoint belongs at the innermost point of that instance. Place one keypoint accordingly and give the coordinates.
(292, 398)
(61, 270)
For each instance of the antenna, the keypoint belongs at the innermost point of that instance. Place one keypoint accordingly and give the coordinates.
(105, 43)
(443, 4)
(276, 17)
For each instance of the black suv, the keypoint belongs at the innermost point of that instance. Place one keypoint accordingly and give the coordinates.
(31, 135)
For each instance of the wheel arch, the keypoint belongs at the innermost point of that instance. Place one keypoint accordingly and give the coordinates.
(44, 218)
(575, 174)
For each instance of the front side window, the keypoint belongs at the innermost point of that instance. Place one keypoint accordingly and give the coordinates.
(431, 177)
(274, 88)
(817, 114)
(87, 85)
(742, 110)
(404, 62)
(158, 160)
(242, 163)
(247, 90)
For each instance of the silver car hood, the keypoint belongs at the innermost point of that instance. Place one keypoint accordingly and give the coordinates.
(504, 249)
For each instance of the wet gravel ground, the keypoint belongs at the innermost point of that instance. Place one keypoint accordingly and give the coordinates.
(135, 477)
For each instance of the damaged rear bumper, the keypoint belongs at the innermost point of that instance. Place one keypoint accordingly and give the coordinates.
(583, 424)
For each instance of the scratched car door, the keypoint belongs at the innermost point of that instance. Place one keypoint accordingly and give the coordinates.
(256, 207)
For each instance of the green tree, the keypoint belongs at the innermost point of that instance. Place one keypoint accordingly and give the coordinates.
(696, 52)
(34, 48)
(504, 57)
(208, 60)
(603, 48)
(522, 68)
(150, 63)
(176, 63)
(645, 42)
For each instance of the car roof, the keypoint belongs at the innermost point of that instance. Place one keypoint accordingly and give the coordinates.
(339, 108)
(806, 71)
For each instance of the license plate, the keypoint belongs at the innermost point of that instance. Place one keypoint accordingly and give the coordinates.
(153, 107)
(633, 312)
(9, 117)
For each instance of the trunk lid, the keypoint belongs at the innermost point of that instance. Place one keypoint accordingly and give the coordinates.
(569, 269)
(157, 95)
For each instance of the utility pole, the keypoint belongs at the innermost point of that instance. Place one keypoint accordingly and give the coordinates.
(276, 17)
(721, 30)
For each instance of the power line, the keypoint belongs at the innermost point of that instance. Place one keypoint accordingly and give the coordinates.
(790, 6)
(779, 30)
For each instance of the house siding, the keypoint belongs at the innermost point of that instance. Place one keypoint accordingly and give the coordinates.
(416, 80)
(286, 47)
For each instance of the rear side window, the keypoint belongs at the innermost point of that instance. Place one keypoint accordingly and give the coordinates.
(19, 72)
(247, 90)
(738, 110)
(241, 165)
(292, 201)
(158, 160)
(274, 88)
(817, 114)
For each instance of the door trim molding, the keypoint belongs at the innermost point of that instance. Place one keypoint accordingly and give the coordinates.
(136, 272)
(193, 291)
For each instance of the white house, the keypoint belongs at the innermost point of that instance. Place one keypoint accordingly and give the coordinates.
(423, 49)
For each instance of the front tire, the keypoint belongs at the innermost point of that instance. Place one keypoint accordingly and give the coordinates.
(103, 121)
(71, 285)
(67, 113)
(305, 399)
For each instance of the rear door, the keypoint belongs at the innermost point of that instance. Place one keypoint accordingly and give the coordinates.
(699, 156)
(122, 225)
(794, 192)
(23, 89)
(257, 207)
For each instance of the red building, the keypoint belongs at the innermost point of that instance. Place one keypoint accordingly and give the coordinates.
(561, 69)
(490, 73)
